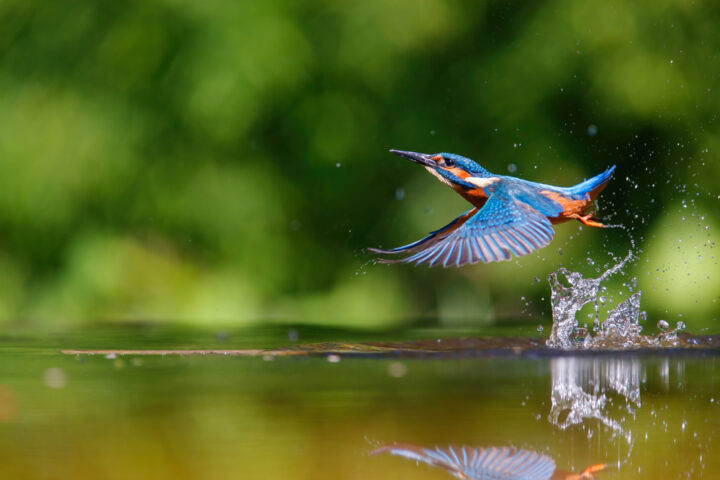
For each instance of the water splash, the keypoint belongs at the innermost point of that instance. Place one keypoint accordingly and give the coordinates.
(570, 292)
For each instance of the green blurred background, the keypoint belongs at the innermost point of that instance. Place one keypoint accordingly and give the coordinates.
(225, 163)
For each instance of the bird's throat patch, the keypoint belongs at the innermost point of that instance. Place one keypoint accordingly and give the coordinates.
(438, 176)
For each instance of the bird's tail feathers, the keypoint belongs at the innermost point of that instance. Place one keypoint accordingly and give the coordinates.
(593, 186)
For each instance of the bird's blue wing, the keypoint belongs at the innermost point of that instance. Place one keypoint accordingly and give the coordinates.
(492, 463)
(432, 238)
(508, 224)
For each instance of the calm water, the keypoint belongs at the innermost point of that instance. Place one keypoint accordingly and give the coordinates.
(211, 417)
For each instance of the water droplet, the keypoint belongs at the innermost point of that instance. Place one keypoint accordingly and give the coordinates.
(397, 369)
(512, 168)
(293, 335)
(621, 329)
(54, 377)
(592, 130)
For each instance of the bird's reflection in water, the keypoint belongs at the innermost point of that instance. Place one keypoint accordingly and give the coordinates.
(602, 388)
(491, 463)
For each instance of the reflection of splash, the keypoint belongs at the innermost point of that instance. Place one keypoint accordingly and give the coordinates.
(665, 373)
(620, 330)
(583, 388)
(491, 463)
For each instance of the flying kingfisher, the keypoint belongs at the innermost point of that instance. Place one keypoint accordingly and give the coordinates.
(492, 463)
(510, 216)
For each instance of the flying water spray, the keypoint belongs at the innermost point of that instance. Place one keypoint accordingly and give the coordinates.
(570, 292)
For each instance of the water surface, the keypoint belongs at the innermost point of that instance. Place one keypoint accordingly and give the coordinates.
(650, 415)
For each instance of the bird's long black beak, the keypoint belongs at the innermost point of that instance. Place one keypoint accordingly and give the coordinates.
(421, 158)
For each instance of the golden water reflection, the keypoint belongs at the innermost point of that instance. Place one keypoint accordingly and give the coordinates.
(318, 418)
(598, 401)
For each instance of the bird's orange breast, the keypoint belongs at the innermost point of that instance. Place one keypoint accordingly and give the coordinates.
(476, 196)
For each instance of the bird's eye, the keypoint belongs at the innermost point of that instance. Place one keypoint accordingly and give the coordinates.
(449, 162)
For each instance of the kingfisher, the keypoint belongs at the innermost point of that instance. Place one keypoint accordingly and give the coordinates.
(510, 216)
(492, 463)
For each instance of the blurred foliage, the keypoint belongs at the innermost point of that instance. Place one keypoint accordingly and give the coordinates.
(225, 162)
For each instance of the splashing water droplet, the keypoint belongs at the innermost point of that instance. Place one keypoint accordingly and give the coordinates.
(570, 292)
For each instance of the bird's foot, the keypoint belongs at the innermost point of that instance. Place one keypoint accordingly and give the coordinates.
(589, 220)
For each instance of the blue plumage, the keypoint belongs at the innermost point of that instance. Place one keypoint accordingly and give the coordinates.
(413, 246)
(584, 188)
(492, 463)
(504, 226)
(465, 163)
(510, 217)
(512, 222)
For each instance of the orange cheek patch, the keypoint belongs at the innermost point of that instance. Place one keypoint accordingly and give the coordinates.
(437, 158)
(458, 172)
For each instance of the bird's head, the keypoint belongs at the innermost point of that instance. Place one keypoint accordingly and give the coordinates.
(449, 168)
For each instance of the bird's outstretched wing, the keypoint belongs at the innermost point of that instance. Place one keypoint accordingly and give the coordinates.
(513, 221)
(431, 239)
(492, 463)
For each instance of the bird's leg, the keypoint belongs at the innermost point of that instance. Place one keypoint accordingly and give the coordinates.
(588, 220)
